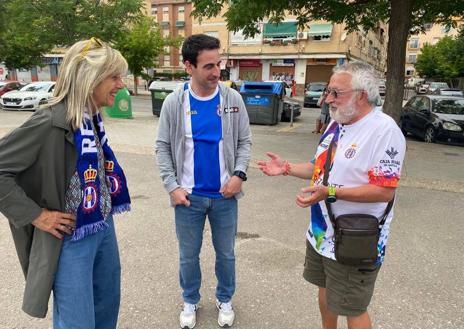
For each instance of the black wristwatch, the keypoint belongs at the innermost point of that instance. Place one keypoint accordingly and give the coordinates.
(240, 174)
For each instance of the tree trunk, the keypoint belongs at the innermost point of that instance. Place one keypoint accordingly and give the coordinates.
(398, 31)
(135, 86)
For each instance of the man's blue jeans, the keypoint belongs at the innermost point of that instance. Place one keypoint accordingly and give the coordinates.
(86, 290)
(190, 222)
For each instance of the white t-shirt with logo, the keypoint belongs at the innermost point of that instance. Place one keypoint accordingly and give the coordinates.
(370, 151)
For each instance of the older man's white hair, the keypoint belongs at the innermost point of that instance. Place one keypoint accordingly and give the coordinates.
(363, 77)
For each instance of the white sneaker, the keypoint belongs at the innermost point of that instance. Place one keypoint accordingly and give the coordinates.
(226, 315)
(188, 316)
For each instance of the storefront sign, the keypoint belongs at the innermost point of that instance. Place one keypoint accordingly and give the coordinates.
(250, 63)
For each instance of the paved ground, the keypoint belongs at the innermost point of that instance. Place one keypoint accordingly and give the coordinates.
(420, 286)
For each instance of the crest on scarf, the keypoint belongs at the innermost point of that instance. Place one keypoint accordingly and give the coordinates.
(90, 197)
(113, 180)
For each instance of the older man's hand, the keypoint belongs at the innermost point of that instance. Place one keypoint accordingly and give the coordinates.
(316, 194)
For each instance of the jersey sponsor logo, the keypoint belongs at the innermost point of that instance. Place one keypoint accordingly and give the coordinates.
(392, 153)
(232, 109)
(192, 112)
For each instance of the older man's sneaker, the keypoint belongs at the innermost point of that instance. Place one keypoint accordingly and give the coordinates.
(226, 315)
(188, 316)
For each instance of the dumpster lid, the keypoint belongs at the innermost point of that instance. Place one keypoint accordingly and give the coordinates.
(262, 87)
(168, 85)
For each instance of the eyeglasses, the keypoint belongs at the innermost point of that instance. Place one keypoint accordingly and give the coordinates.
(335, 93)
(93, 42)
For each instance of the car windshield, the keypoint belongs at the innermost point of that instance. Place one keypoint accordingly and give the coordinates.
(316, 87)
(438, 85)
(448, 106)
(31, 87)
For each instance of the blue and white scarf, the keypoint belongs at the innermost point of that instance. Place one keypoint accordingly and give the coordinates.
(89, 218)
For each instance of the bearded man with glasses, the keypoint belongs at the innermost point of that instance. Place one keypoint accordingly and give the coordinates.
(363, 172)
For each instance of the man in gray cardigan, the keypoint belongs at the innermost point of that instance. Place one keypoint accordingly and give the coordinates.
(203, 150)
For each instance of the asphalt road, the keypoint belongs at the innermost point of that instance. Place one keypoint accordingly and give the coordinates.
(420, 285)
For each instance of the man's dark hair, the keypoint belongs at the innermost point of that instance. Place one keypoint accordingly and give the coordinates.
(195, 43)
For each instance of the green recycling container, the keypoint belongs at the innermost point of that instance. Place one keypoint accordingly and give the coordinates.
(122, 107)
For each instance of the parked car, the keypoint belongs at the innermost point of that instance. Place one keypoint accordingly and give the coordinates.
(422, 88)
(29, 97)
(287, 110)
(382, 87)
(6, 86)
(434, 86)
(449, 92)
(434, 117)
(313, 92)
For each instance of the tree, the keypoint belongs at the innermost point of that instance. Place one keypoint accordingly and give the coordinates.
(142, 45)
(403, 17)
(444, 60)
(427, 62)
(32, 28)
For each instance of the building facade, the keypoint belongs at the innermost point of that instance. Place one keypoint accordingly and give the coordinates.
(285, 52)
(173, 17)
(433, 33)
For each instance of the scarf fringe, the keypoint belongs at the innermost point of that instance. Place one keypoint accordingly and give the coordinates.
(89, 229)
(120, 208)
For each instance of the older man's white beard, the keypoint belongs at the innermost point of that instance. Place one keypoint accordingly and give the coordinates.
(343, 114)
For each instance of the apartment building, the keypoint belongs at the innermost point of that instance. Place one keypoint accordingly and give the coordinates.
(433, 33)
(174, 19)
(285, 52)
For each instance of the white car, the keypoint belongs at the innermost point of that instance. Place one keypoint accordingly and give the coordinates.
(29, 97)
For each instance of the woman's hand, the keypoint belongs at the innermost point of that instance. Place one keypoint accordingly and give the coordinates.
(56, 223)
(273, 167)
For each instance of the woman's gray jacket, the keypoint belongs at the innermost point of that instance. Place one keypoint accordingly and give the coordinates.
(37, 161)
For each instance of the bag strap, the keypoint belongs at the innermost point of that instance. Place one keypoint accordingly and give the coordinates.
(325, 183)
(326, 179)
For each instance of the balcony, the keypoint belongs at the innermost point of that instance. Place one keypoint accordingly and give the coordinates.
(180, 24)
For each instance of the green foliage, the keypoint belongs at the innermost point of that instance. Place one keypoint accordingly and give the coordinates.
(443, 60)
(142, 45)
(33, 27)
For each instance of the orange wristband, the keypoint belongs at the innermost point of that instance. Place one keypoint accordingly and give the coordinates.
(286, 168)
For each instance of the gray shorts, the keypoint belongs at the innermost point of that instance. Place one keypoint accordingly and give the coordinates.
(349, 289)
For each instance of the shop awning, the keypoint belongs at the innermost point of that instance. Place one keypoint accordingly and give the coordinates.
(320, 30)
(281, 30)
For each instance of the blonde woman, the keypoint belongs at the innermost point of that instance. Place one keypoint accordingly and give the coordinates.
(60, 183)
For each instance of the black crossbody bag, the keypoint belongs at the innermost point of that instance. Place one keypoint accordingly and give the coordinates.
(356, 236)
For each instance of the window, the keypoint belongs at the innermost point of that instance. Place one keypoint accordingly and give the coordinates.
(167, 61)
(282, 30)
(414, 43)
(154, 10)
(214, 34)
(181, 13)
(410, 72)
(165, 14)
(427, 27)
(445, 29)
(412, 58)
(320, 31)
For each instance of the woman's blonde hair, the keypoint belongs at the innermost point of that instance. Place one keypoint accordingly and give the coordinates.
(84, 66)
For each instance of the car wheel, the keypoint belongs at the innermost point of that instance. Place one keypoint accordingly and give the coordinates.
(43, 102)
(429, 136)
(283, 118)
